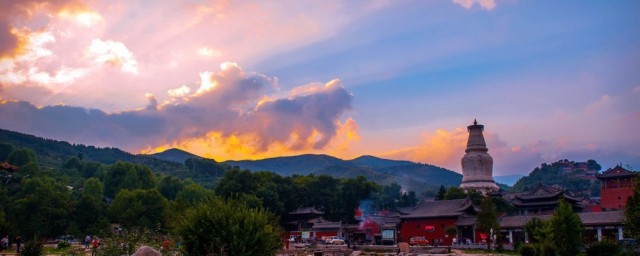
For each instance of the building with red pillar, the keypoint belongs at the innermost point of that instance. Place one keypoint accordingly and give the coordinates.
(616, 185)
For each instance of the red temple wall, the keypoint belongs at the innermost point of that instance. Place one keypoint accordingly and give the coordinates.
(411, 228)
(609, 197)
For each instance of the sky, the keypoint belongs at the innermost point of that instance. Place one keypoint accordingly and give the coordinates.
(550, 80)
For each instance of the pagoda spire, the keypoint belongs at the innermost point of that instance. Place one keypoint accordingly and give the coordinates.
(477, 164)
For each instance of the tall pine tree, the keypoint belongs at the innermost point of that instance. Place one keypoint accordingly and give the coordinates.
(566, 229)
(488, 219)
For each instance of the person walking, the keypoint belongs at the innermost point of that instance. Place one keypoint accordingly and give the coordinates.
(4, 243)
(95, 243)
(18, 243)
(87, 241)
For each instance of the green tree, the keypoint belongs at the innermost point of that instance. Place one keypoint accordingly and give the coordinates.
(387, 197)
(352, 192)
(169, 187)
(23, 156)
(454, 193)
(89, 215)
(441, 192)
(408, 199)
(138, 208)
(537, 230)
(475, 196)
(89, 169)
(488, 220)
(217, 227)
(125, 175)
(193, 193)
(41, 208)
(632, 212)
(5, 151)
(566, 229)
(73, 163)
(93, 188)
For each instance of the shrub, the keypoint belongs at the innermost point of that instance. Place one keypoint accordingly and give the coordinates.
(604, 247)
(228, 228)
(547, 249)
(32, 248)
(63, 244)
(527, 250)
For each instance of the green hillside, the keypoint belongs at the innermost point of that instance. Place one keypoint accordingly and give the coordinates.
(53, 153)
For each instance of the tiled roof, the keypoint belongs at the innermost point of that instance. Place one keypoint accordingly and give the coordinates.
(588, 219)
(617, 171)
(601, 218)
(327, 225)
(435, 209)
(307, 210)
(543, 195)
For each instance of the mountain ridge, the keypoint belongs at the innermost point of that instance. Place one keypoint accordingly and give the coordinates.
(412, 176)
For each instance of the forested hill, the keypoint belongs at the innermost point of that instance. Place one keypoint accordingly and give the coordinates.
(576, 176)
(52, 153)
(414, 176)
(174, 155)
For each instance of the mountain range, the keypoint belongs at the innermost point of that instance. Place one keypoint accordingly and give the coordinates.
(412, 176)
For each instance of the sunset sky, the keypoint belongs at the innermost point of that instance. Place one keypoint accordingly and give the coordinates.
(397, 79)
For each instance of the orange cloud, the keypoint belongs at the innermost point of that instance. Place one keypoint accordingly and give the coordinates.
(443, 148)
(222, 147)
(229, 117)
(11, 43)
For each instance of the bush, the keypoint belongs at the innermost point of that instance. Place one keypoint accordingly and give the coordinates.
(32, 248)
(63, 244)
(228, 228)
(527, 250)
(604, 247)
(546, 249)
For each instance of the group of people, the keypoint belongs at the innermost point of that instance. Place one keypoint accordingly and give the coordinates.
(4, 243)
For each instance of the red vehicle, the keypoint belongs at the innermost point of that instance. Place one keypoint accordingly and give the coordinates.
(418, 241)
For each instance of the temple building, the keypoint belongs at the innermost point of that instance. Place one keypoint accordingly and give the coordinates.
(616, 185)
(544, 200)
(477, 164)
(428, 219)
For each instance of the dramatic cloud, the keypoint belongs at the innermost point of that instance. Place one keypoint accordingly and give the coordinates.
(224, 111)
(11, 41)
(115, 53)
(485, 4)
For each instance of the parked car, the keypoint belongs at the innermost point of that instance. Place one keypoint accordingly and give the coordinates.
(418, 241)
(337, 241)
(334, 240)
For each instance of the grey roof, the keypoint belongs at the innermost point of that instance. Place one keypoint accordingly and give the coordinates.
(543, 195)
(617, 171)
(588, 219)
(601, 218)
(307, 210)
(327, 225)
(437, 209)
